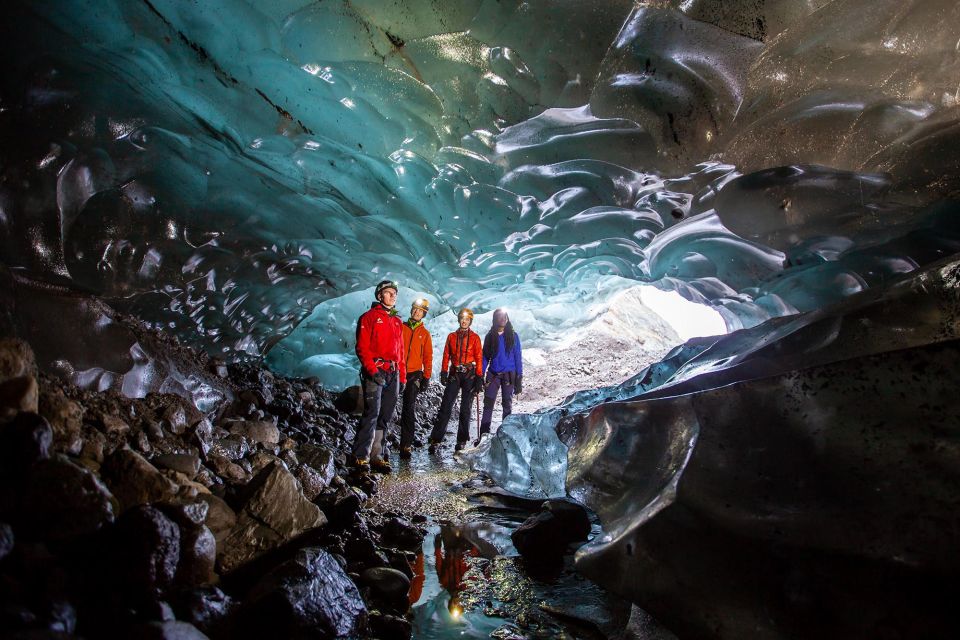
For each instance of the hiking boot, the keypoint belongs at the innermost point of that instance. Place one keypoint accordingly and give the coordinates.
(459, 447)
(379, 465)
(406, 453)
(360, 465)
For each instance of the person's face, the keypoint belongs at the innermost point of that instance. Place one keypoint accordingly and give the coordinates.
(417, 314)
(465, 322)
(388, 297)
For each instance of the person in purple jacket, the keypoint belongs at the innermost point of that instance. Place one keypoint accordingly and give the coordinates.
(503, 365)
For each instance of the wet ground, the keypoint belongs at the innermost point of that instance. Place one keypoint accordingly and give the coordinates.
(470, 581)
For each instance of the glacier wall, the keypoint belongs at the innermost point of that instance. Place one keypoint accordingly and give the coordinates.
(240, 172)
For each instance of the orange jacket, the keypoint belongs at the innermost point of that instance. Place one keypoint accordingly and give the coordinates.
(461, 349)
(419, 348)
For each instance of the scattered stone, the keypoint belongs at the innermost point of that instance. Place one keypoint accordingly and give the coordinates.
(262, 431)
(19, 394)
(321, 460)
(309, 596)
(261, 460)
(6, 540)
(142, 442)
(176, 413)
(233, 447)
(114, 425)
(192, 515)
(202, 436)
(311, 482)
(134, 481)
(207, 608)
(276, 512)
(94, 446)
(544, 537)
(389, 626)
(65, 415)
(229, 471)
(186, 463)
(16, 359)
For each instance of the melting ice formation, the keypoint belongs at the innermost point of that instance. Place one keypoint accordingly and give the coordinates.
(796, 479)
(242, 172)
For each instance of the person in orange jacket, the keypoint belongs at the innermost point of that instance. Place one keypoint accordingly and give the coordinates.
(418, 347)
(464, 355)
(382, 371)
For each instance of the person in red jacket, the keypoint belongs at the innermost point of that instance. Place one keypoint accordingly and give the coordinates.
(464, 355)
(382, 371)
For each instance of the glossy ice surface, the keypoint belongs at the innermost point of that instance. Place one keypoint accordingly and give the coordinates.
(241, 173)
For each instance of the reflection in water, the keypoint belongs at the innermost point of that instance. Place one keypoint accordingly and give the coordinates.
(436, 594)
(467, 582)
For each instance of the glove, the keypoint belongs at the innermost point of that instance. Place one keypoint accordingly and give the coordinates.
(518, 388)
(486, 384)
(380, 378)
(444, 378)
(477, 384)
(424, 383)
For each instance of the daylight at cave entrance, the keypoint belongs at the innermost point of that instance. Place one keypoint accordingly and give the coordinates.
(726, 231)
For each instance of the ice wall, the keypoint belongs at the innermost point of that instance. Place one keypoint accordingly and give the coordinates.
(227, 170)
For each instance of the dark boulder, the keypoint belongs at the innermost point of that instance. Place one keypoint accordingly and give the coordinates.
(6, 540)
(388, 626)
(388, 585)
(309, 596)
(62, 500)
(275, 512)
(207, 608)
(350, 400)
(146, 550)
(169, 630)
(545, 537)
(134, 481)
(27, 440)
(399, 532)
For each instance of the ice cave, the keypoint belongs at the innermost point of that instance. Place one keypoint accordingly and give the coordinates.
(727, 231)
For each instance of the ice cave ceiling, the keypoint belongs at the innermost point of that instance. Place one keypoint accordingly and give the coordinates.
(242, 172)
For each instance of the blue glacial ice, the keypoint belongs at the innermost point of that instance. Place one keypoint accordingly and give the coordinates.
(240, 172)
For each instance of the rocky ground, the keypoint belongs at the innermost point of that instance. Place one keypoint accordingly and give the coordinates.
(147, 518)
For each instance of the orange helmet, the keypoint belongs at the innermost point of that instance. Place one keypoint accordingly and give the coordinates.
(420, 303)
(465, 312)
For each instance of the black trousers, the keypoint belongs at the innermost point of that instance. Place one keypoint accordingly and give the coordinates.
(408, 416)
(378, 405)
(502, 382)
(462, 384)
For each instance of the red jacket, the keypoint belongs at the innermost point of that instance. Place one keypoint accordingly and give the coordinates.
(379, 336)
(460, 350)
